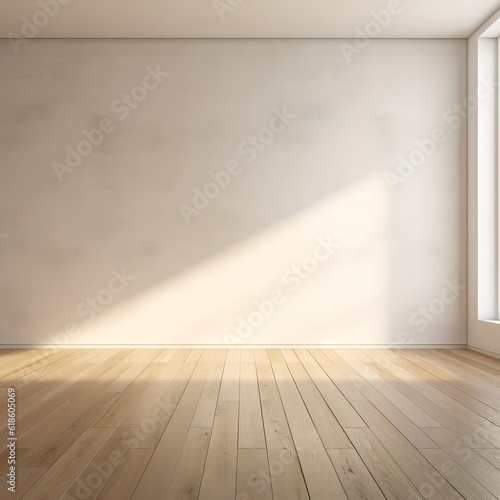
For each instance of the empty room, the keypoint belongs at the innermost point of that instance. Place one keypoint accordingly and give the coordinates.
(249, 250)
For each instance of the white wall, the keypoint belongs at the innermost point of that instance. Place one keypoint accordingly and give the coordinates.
(323, 177)
(483, 332)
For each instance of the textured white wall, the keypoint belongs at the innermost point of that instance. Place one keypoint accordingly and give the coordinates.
(317, 236)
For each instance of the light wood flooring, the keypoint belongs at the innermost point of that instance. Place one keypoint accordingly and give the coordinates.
(248, 424)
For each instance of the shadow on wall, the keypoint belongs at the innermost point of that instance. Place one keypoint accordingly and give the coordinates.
(243, 198)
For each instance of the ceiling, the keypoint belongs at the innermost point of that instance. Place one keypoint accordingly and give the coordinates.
(245, 18)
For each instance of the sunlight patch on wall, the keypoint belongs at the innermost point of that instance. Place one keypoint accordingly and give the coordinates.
(320, 276)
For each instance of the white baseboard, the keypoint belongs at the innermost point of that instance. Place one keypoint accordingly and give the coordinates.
(493, 354)
(224, 346)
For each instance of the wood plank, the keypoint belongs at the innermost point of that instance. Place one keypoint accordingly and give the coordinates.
(153, 426)
(34, 413)
(444, 409)
(156, 479)
(461, 421)
(26, 477)
(158, 474)
(492, 455)
(461, 480)
(128, 376)
(477, 388)
(9, 357)
(147, 401)
(27, 384)
(253, 479)
(205, 411)
(26, 375)
(126, 400)
(320, 476)
(79, 376)
(390, 412)
(91, 481)
(464, 361)
(139, 437)
(448, 359)
(186, 479)
(251, 427)
(219, 476)
(247, 356)
(478, 357)
(166, 355)
(117, 366)
(287, 479)
(230, 386)
(409, 459)
(36, 392)
(356, 479)
(124, 479)
(27, 360)
(62, 473)
(388, 475)
(52, 436)
(328, 427)
(415, 366)
(327, 378)
(180, 420)
(414, 413)
(104, 355)
(466, 457)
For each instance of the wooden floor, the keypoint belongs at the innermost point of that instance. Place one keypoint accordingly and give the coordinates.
(244, 424)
